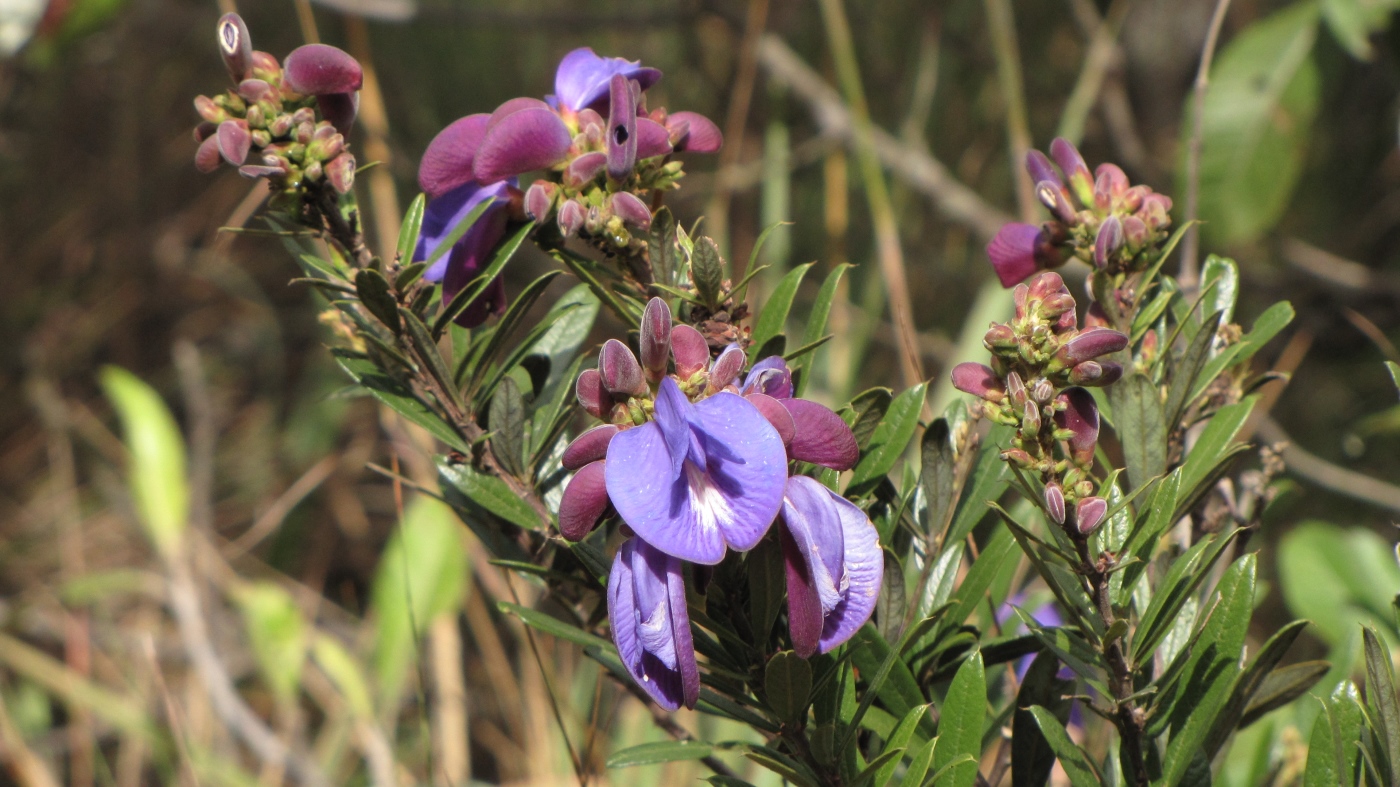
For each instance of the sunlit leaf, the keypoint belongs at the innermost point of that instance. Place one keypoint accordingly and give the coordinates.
(157, 457)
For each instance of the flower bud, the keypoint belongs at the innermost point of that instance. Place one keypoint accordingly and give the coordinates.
(583, 169)
(1019, 458)
(1094, 316)
(235, 46)
(588, 447)
(1109, 184)
(1080, 417)
(1055, 502)
(1040, 168)
(1016, 389)
(1132, 199)
(1030, 420)
(539, 199)
(630, 209)
(1076, 171)
(314, 171)
(1108, 241)
(234, 141)
(590, 119)
(1156, 210)
(622, 128)
(210, 111)
(1135, 233)
(691, 351)
(570, 218)
(980, 381)
(1095, 374)
(1052, 196)
(1089, 514)
(1046, 284)
(207, 157)
(584, 502)
(254, 171)
(304, 115)
(592, 396)
(655, 339)
(621, 372)
(1043, 391)
(340, 171)
(726, 367)
(999, 337)
(281, 126)
(1091, 344)
(265, 67)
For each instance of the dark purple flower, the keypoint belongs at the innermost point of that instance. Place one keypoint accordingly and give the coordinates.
(329, 74)
(581, 81)
(699, 479)
(235, 45)
(470, 255)
(1012, 253)
(1081, 419)
(650, 624)
(819, 435)
(692, 131)
(979, 380)
(834, 566)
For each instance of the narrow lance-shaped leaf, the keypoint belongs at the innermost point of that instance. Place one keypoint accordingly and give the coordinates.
(157, 458)
(1077, 765)
(960, 724)
(775, 310)
(507, 422)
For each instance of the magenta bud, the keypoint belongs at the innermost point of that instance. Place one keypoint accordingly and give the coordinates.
(539, 199)
(1081, 418)
(1089, 514)
(1132, 198)
(621, 372)
(235, 46)
(208, 110)
(1094, 373)
(234, 141)
(254, 90)
(1135, 233)
(1052, 196)
(1076, 171)
(207, 158)
(622, 128)
(1040, 169)
(255, 171)
(583, 169)
(1091, 344)
(340, 171)
(584, 501)
(979, 380)
(691, 351)
(1016, 388)
(1030, 419)
(693, 132)
(571, 218)
(589, 118)
(999, 337)
(1108, 241)
(1055, 502)
(265, 66)
(726, 367)
(1045, 285)
(630, 209)
(592, 396)
(1109, 184)
(588, 447)
(655, 341)
(281, 126)
(1057, 305)
(1043, 391)
(1018, 457)
(321, 69)
(340, 109)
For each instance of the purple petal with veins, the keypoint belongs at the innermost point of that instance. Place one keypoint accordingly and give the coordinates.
(583, 502)
(652, 139)
(523, 141)
(582, 78)
(471, 254)
(701, 134)
(447, 163)
(822, 438)
(651, 625)
(588, 447)
(723, 493)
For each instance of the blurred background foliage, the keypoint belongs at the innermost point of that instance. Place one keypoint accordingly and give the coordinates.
(112, 254)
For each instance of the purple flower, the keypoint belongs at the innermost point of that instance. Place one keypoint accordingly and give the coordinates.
(834, 566)
(470, 255)
(581, 82)
(1013, 253)
(700, 478)
(810, 431)
(650, 624)
(332, 76)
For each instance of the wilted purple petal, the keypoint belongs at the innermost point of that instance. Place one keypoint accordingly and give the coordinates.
(655, 337)
(646, 609)
(585, 168)
(701, 134)
(701, 512)
(776, 414)
(622, 128)
(447, 163)
(691, 351)
(769, 376)
(582, 79)
(630, 209)
(234, 141)
(588, 447)
(319, 69)
(235, 46)
(207, 157)
(592, 396)
(443, 214)
(822, 438)
(979, 380)
(526, 140)
(621, 372)
(1080, 416)
(1012, 253)
(583, 502)
(726, 367)
(652, 139)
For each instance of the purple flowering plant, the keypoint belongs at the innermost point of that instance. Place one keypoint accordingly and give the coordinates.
(832, 578)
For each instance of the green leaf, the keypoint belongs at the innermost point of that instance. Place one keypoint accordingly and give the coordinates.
(919, 765)
(972, 593)
(1141, 428)
(1212, 666)
(890, 678)
(1242, 693)
(1032, 758)
(890, 758)
(659, 752)
(937, 476)
(1186, 371)
(1380, 697)
(513, 318)
(787, 682)
(156, 452)
(988, 481)
(507, 422)
(707, 271)
(816, 321)
(555, 627)
(783, 765)
(890, 438)
(1183, 577)
(578, 309)
(458, 230)
(767, 586)
(1333, 756)
(1078, 767)
(890, 605)
(428, 350)
(422, 574)
(410, 275)
(490, 493)
(1270, 323)
(1282, 686)
(900, 738)
(374, 293)
(662, 251)
(409, 230)
(868, 409)
(1347, 19)
(346, 673)
(1394, 369)
(1220, 283)
(774, 316)
(1339, 578)
(1214, 446)
(1258, 113)
(478, 285)
(278, 636)
(960, 725)
(398, 398)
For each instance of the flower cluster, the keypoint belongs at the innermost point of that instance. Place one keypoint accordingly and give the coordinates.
(291, 119)
(1040, 363)
(1099, 218)
(696, 461)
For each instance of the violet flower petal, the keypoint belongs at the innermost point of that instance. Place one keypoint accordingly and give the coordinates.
(588, 447)
(442, 215)
(812, 521)
(865, 570)
(652, 139)
(769, 376)
(582, 78)
(702, 136)
(1012, 253)
(776, 414)
(583, 502)
(700, 513)
(234, 141)
(622, 128)
(447, 163)
(822, 438)
(641, 572)
(318, 69)
(526, 140)
(691, 351)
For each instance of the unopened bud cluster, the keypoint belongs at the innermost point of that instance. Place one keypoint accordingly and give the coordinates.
(284, 123)
(1041, 363)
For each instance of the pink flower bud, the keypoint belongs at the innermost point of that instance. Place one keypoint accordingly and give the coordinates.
(539, 199)
(570, 218)
(265, 66)
(1041, 169)
(1089, 514)
(207, 158)
(980, 381)
(1081, 418)
(234, 141)
(691, 351)
(1053, 197)
(1043, 391)
(340, 171)
(655, 341)
(1108, 241)
(630, 209)
(1091, 344)
(1109, 184)
(583, 169)
(1055, 502)
(1135, 233)
(1016, 388)
(1047, 284)
(208, 110)
(621, 372)
(1095, 374)
(999, 337)
(726, 367)
(588, 447)
(1076, 171)
(235, 46)
(592, 396)
(1030, 419)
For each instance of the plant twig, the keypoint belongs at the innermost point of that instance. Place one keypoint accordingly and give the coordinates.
(1329, 476)
(1189, 276)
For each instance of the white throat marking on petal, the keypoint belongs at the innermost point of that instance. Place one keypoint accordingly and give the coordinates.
(706, 500)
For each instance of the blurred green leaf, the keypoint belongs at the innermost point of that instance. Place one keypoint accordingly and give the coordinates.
(659, 752)
(890, 438)
(919, 764)
(278, 634)
(374, 294)
(1381, 702)
(1141, 428)
(346, 673)
(1351, 23)
(1258, 113)
(772, 319)
(1220, 281)
(1282, 686)
(960, 724)
(156, 452)
(1213, 448)
(555, 627)
(783, 765)
(816, 322)
(422, 574)
(787, 682)
(1338, 578)
(1333, 753)
(1394, 369)
(398, 398)
(1077, 765)
(972, 593)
